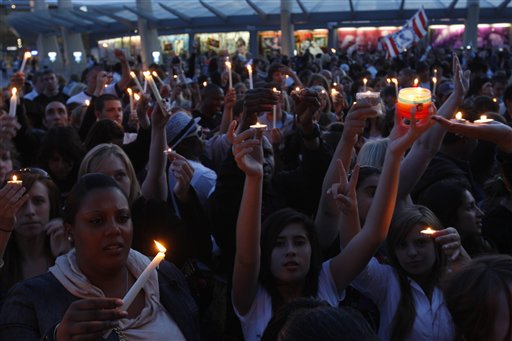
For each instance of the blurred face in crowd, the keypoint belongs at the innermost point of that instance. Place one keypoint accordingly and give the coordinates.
(112, 110)
(59, 167)
(114, 167)
(56, 115)
(102, 231)
(33, 216)
(487, 90)
(213, 101)
(50, 82)
(365, 193)
(416, 254)
(469, 217)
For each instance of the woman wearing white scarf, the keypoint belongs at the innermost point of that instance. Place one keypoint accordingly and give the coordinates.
(80, 295)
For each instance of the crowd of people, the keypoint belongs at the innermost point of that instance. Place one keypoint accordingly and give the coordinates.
(289, 209)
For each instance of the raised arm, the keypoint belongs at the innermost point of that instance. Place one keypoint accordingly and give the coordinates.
(227, 115)
(155, 183)
(125, 70)
(249, 158)
(327, 216)
(423, 150)
(354, 257)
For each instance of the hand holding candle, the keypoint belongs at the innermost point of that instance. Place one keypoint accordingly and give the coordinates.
(418, 98)
(15, 180)
(483, 120)
(258, 125)
(428, 231)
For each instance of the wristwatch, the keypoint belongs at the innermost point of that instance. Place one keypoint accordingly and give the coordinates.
(313, 135)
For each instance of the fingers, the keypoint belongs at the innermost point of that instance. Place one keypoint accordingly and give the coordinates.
(246, 134)
(341, 172)
(231, 131)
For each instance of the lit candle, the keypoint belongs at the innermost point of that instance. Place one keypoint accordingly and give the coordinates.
(144, 276)
(371, 98)
(87, 102)
(136, 96)
(364, 82)
(459, 117)
(249, 71)
(389, 81)
(205, 83)
(137, 83)
(130, 94)
(155, 75)
(228, 65)
(419, 98)
(395, 82)
(145, 85)
(334, 84)
(333, 50)
(483, 120)
(13, 102)
(495, 100)
(334, 93)
(168, 151)
(274, 111)
(434, 82)
(15, 180)
(26, 56)
(258, 125)
(428, 231)
(416, 82)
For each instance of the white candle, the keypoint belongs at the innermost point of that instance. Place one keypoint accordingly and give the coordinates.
(228, 64)
(134, 76)
(459, 118)
(434, 81)
(274, 111)
(145, 85)
(395, 82)
(155, 91)
(15, 180)
(364, 82)
(130, 93)
(155, 75)
(483, 120)
(334, 93)
(87, 102)
(13, 102)
(26, 56)
(144, 276)
(249, 70)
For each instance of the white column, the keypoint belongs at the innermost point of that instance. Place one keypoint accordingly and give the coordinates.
(287, 38)
(47, 43)
(72, 43)
(473, 15)
(149, 42)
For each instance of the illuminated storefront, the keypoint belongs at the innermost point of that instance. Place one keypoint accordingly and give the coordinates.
(452, 36)
(362, 39)
(315, 41)
(233, 42)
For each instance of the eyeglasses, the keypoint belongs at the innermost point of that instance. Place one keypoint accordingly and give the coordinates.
(29, 170)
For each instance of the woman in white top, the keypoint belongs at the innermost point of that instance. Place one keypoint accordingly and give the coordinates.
(286, 265)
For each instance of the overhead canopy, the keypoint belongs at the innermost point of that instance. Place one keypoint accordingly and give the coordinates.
(111, 18)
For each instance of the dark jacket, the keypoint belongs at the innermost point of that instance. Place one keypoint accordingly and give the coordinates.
(34, 307)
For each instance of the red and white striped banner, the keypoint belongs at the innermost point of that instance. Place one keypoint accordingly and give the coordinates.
(413, 30)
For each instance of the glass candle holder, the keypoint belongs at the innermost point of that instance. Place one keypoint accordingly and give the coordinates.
(371, 98)
(419, 98)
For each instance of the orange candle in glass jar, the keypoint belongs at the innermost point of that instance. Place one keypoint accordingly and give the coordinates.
(419, 98)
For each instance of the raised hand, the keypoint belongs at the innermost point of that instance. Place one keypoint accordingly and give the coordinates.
(230, 99)
(344, 192)
(403, 135)
(90, 318)
(120, 55)
(12, 197)
(59, 243)
(256, 101)
(460, 78)
(449, 239)
(247, 150)
(307, 102)
(101, 80)
(355, 121)
(183, 172)
(9, 127)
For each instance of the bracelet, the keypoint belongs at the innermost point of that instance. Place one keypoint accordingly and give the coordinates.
(4, 230)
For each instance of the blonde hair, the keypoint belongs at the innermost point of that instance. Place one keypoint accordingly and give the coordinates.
(99, 153)
(372, 153)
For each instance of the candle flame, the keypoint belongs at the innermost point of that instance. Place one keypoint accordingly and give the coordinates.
(249, 68)
(14, 91)
(276, 91)
(154, 74)
(146, 74)
(14, 178)
(388, 80)
(87, 102)
(428, 230)
(494, 100)
(136, 96)
(458, 115)
(483, 117)
(334, 84)
(297, 89)
(132, 74)
(323, 91)
(416, 81)
(160, 247)
(228, 64)
(27, 55)
(175, 76)
(334, 92)
(365, 81)
(333, 50)
(130, 92)
(395, 81)
(205, 84)
(434, 79)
